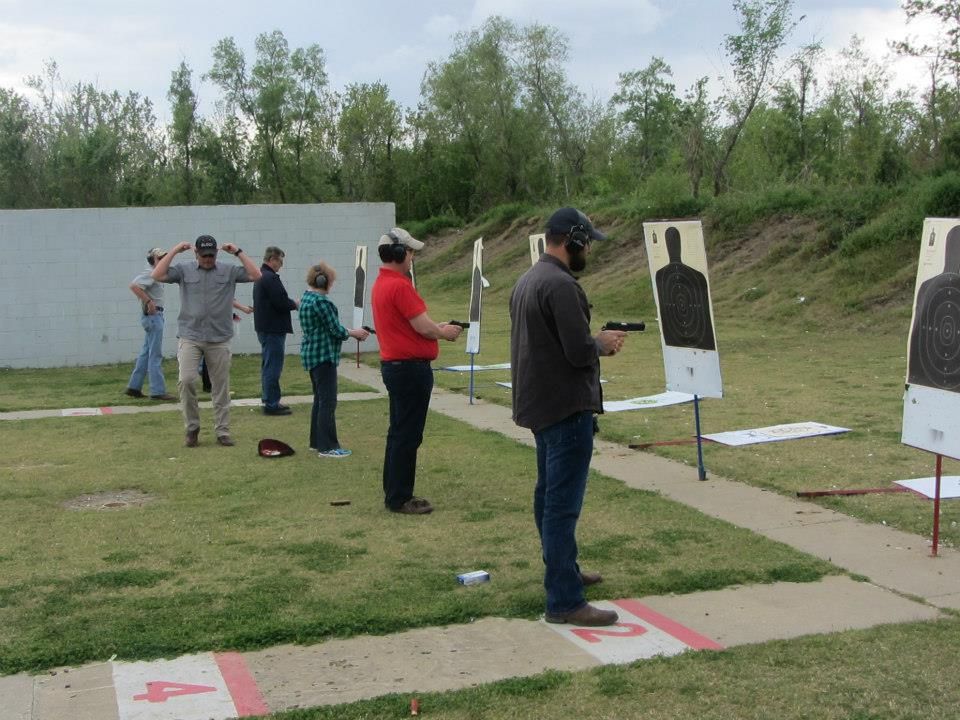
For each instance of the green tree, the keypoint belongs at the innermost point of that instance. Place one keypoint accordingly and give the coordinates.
(184, 131)
(17, 169)
(648, 109)
(280, 97)
(370, 127)
(765, 26)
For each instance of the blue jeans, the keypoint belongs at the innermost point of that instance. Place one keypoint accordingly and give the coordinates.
(150, 357)
(271, 365)
(409, 384)
(323, 419)
(563, 461)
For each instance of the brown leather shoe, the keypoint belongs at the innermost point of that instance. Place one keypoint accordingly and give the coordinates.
(587, 615)
(166, 397)
(588, 578)
(225, 440)
(192, 438)
(413, 508)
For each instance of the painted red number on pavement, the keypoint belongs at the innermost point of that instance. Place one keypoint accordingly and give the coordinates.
(629, 630)
(160, 690)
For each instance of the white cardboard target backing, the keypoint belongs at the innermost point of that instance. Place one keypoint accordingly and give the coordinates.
(678, 273)
(931, 403)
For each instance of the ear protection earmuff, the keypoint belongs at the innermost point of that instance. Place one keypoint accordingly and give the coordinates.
(398, 251)
(320, 281)
(577, 238)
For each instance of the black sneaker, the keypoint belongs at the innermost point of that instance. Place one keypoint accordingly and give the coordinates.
(133, 393)
(279, 410)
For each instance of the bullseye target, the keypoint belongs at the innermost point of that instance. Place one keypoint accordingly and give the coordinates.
(684, 308)
(935, 345)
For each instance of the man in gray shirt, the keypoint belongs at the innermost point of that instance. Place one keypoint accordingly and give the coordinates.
(205, 326)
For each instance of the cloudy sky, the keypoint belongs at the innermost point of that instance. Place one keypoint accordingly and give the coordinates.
(129, 45)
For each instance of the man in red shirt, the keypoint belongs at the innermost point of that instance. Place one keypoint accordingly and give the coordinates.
(408, 342)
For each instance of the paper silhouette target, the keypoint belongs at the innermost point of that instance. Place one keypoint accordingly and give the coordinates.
(678, 266)
(684, 300)
(359, 284)
(931, 408)
(477, 283)
(538, 245)
(935, 333)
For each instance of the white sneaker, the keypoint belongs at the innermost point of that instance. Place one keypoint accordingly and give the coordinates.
(335, 453)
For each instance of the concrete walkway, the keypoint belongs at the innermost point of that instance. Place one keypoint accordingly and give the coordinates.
(905, 584)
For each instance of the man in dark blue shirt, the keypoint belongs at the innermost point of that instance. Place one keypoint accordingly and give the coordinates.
(271, 319)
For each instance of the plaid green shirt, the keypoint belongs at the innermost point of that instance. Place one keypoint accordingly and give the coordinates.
(322, 332)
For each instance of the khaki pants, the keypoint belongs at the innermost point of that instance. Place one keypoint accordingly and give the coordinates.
(218, 357)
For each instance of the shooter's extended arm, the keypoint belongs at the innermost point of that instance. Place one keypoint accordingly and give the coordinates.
(624, 326)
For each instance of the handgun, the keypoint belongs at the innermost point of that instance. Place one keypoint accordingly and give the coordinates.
(624, 326)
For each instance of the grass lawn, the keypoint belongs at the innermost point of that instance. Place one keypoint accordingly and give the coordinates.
(237, 551)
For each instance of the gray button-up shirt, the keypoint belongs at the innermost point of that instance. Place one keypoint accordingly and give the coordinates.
(206, 300)
(150, 286)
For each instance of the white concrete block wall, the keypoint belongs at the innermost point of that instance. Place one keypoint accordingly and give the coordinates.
(64, 295)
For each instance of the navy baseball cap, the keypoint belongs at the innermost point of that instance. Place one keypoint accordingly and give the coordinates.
(564, 220)
(206, 245)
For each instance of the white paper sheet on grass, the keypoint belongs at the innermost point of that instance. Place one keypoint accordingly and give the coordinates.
(670, 397)
(775, 433)
(466, 368)
(949, 486)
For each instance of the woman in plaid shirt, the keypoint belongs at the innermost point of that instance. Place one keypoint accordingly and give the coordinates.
(323, 336)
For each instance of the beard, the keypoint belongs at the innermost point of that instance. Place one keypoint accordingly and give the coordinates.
(578, 261)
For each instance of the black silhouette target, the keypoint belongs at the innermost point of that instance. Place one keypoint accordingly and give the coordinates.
(935, 338)
(359, 284)
(685, 309)
(475, 295)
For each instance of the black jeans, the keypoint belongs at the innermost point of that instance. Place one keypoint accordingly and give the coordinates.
(409, 384)
(323, 418)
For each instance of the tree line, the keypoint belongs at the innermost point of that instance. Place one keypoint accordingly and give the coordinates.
(498, 121)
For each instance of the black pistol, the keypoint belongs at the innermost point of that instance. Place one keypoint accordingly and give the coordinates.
(464, 325)
(624, 326)
(369, 329)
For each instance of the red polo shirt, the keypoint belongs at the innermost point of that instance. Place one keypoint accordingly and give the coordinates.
(395, 301)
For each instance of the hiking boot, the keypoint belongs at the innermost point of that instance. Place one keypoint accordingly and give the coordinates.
(586, 614)
(421, 502)
(192, 438)
(412, 508)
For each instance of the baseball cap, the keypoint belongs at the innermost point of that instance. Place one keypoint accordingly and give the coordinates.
(206, 245)
(270, 448)
(402, 237)
(565, 219)
(156, 253)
